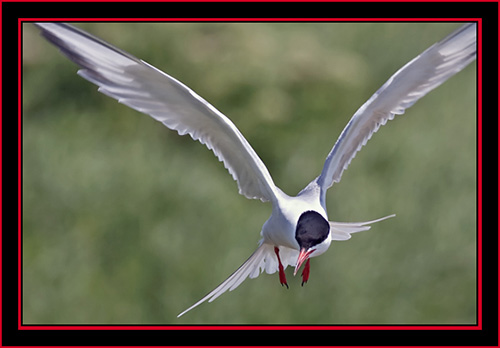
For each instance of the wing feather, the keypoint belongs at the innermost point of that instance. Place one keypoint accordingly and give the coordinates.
(142, 87)
(410, 83)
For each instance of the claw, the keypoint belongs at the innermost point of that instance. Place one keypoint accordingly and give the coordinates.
(281, 268)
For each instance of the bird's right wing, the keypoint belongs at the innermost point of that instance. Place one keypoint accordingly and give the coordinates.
(262, 259)
(410, 83)
(144, 88)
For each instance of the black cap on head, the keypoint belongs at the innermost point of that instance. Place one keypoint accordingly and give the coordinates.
(312, 229)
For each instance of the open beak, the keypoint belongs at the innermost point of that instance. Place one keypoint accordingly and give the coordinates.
(303, 256)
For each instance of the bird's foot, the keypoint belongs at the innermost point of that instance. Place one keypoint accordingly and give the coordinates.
(305, 272)
(281, 268)
(282, 276)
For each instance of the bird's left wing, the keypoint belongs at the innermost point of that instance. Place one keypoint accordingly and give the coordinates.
(142, 87)
(262, 259)
(410, 83)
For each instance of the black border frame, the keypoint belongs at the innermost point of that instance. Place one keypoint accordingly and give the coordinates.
(12, 11)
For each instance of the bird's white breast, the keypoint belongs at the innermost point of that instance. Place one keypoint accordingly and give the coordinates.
(279, 229)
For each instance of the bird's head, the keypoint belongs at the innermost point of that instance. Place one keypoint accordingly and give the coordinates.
(313, 235)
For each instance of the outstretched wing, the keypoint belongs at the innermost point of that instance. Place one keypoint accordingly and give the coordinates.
(141, 86)
(262, 259)
(410, 83)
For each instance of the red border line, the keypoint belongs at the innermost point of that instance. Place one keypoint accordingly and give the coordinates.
(479, 98)
(19, 161)
(248, 327)
(477, 326)
(253, 19)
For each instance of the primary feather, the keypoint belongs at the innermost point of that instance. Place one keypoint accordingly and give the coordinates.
(410, 83)
(141, 86)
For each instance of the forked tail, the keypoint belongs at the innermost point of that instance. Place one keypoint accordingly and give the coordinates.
(343, 230)
(262, 258)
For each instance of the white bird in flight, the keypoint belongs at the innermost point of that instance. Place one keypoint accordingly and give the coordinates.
(298, 228)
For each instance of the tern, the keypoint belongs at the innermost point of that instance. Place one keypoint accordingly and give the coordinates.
(298, 228)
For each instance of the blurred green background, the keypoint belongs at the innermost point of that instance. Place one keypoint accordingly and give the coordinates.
(124, 221)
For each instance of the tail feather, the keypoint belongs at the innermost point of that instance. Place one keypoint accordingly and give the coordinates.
(261, 259)
(264, 259)
(343, 230)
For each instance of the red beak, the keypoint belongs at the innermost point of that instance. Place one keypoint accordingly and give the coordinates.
(303, 256)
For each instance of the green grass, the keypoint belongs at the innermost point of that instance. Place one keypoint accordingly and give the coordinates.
(126, 222)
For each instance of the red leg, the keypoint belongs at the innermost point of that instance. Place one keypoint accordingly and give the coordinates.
(281, 269)
(305, 272)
